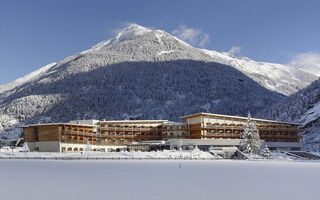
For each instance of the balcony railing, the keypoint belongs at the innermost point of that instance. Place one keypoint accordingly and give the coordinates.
(96, 142)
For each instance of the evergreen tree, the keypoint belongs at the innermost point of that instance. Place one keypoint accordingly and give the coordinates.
(266, 152)
(250, 140)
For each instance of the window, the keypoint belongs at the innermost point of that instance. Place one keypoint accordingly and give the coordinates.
(36, 134)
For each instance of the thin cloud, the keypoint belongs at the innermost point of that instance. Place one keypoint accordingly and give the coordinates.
(309, 62)
(235, 50)
(192, 35)
(205, 39)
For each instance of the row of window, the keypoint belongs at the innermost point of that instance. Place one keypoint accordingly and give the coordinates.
(128, 133)
(126, 126)
(258, 125)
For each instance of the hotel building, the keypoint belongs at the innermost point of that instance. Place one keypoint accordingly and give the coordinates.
(200, 128)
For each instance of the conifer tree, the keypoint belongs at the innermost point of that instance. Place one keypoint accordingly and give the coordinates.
(250, 140)
(266, 152)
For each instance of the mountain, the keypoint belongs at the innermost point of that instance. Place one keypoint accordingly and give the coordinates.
(146, 74)
(27, 78)
(303, 108)
(284, 79)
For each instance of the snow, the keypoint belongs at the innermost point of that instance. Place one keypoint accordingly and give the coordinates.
(250, 140)
(131, 31)
(311, 115)
(275, 76)
(97, 47)
(8, 127)
(166, 154)
(26, 78)
(158, 180)
(127, 33)
(165, 52)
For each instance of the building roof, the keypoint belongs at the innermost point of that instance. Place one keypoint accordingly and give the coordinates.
(234, 117)
(56, 124)
(135, 121)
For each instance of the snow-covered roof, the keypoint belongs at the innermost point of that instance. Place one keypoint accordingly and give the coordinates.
(56, 124)
(235, 117)
(135, 121)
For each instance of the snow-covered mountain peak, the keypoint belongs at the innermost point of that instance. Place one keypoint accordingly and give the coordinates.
(130, 32)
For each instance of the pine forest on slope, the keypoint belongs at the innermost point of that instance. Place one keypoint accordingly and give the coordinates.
(303, 108)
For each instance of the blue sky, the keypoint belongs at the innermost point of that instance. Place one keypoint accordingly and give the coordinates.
(34, 33)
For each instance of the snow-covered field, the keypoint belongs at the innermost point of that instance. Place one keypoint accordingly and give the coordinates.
(159, 179)
(166, 154)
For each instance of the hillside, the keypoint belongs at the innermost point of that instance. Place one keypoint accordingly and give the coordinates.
(304, 108)
(145, 74)
(275, 77)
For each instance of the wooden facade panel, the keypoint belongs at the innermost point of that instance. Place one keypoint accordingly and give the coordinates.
(48, 133)
(28, 134)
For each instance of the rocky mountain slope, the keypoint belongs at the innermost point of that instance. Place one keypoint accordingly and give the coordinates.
(303, 108)
(146, 74)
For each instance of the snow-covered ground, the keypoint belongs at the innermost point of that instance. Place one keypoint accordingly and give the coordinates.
(159, 179)
(166, 154)
(7, 153)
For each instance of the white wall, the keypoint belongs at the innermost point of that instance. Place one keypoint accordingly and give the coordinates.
(83, 146)
(44, 146)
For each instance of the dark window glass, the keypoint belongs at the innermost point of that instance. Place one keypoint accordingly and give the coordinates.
(36, 134)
